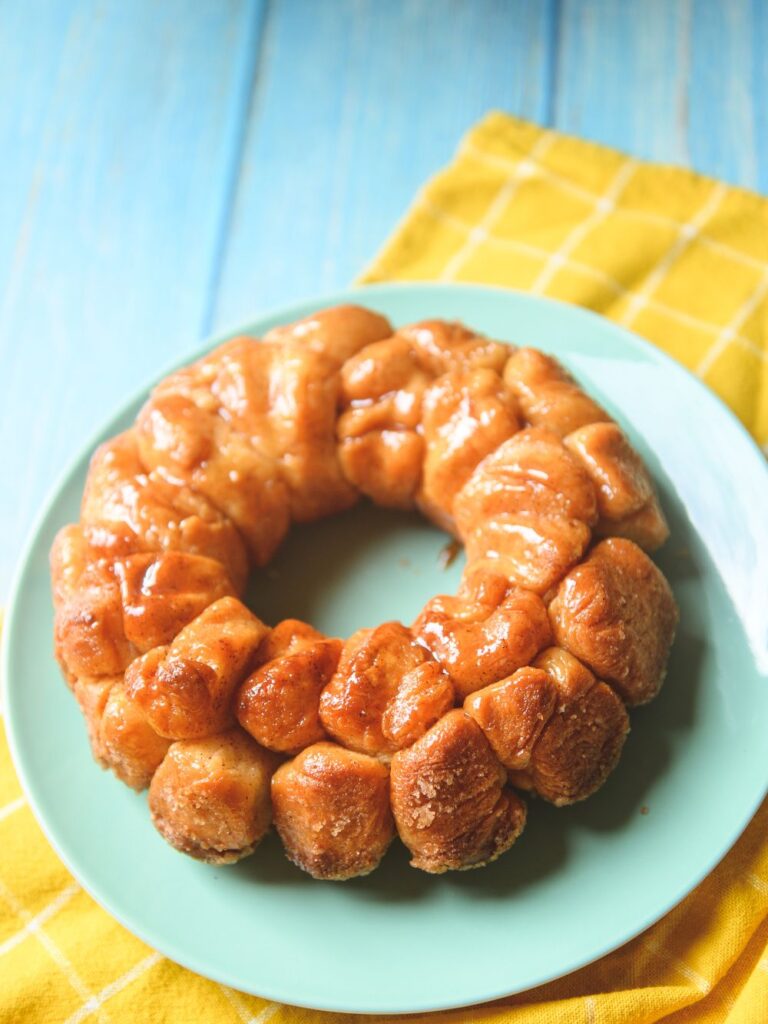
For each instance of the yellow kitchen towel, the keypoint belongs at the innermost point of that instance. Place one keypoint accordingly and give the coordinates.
(676, 257)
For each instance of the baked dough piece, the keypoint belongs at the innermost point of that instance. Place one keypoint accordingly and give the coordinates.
(512, 714)
(89, 636)
(485, 632)
(547, 394)
(423, 695)
(557, 729)
(160, 594)
(387, 690)
(210, 797)
(127, 510)
(118, 732)
(110, 610)
(164, 660)
(184, 434)
(527, 510)
(186, 689)
(444, 344)
(303, 390)
(626, 499)
(279, 703)
(338, 332)
(381, 447)
(252, 427)
(128, 743)
(616, 613)
(466, 414)
(92, 696)
(331, 810)
(451, 806)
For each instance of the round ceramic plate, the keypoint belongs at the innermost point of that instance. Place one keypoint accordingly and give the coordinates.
(581, 880)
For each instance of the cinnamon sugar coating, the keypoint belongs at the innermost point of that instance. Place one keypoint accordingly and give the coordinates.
(386, 691)
(451, 806)
(279, 703)
(485, 632)
(210, 798)
(332, 812)
(616, 613)
(521, 680)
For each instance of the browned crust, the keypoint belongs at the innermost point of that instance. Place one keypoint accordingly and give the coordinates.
(210, 798)
(145, 586)
(332, 811)
(616, 612)
(451, 806)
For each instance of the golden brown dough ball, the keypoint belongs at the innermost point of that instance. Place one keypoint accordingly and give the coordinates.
(527, 510)
(303, 389)
(513, 712)
(338, 332)
(380, 446)
(466, 414)
(89, 635)
(162, 593)
(279, 703)
(204, 426)
(92, 696)
(210, 798)
(380, 695)
(443, 345)
(126, 510)
(423, 696)
(383, 385)
(582, 741)
(616, 613)
(557, 729)
(108, 610)
(129, 745)
(252, 426)
(449, 799)
(186, 689)
(548, 395)
(485, 632)
(331, 810)
(385, 465)
(626, 499)
(118, 732)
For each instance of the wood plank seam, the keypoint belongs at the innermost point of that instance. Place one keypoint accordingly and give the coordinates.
(554, 20)
(243, 104)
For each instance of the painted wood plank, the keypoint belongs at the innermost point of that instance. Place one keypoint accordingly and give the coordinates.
(622, 75)
(758, 80)
(681, 83)
(118, 159)
(728, 106)
(358, 103)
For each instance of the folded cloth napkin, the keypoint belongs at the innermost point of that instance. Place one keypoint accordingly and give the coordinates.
(676, 257)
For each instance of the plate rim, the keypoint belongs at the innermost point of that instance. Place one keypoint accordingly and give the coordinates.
(365, 295)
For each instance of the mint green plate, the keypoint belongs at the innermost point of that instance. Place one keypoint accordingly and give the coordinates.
(582, 880)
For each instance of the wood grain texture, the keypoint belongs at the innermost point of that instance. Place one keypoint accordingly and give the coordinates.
(357, 104)
(112, 212)
(623, 75)
(170, 168)
(728, 108)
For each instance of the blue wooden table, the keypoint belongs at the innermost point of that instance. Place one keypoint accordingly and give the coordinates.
(171, 167)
